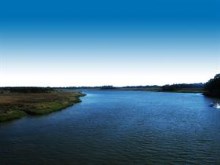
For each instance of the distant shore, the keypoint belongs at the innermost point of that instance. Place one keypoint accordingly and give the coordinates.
(16, 102)
(15, 105)
(191, 90)
(147, 89)
(177, 88)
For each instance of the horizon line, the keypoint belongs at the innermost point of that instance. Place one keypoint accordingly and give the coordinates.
(85, 86)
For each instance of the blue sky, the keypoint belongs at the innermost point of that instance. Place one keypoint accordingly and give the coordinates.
(75, 43)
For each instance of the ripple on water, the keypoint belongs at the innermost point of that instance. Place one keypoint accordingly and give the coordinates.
(118, 127)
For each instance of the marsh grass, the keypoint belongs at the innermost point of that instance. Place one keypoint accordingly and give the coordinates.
(17, 105)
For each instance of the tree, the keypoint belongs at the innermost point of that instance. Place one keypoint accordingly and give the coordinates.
(212, 87)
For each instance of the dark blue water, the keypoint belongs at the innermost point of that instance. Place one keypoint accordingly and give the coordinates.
(118, 127)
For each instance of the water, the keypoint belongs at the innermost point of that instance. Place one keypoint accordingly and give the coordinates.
(118, 127)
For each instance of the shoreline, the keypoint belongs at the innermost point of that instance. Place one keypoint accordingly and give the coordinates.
(148, 90)
(17, 105)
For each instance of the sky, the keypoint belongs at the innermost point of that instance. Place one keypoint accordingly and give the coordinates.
(111, 42)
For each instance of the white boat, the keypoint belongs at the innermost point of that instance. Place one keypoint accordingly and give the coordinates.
(216, 105)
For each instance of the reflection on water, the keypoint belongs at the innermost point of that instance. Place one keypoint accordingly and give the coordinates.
(118, 127)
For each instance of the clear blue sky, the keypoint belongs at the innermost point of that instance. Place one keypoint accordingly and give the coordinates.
(123, 42)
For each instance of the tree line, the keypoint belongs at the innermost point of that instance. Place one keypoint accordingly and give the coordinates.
(212, 87)
(177, 87)
(26, 89)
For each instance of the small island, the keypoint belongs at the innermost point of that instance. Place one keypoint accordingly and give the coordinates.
(18, 102)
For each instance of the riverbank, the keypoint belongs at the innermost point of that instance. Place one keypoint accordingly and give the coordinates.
(156, 89)
(190, 90)
(176, 88)
(17, 105)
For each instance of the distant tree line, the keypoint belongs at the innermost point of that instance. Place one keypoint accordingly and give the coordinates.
(142, 86)
(26, 89)
(212, 87)
(177, 87)
(110, 87)
(105, 87)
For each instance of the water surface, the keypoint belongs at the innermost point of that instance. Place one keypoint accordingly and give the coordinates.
(118, 127)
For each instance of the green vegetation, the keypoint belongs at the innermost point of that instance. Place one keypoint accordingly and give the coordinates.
(11, 114)
(107, 87)
(26, 89)
(183, 88)
(212, 87)
(15, 105)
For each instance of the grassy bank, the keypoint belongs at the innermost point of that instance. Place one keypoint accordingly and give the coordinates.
(14, 105)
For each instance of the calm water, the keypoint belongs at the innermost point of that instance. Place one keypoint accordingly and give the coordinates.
(118, 127)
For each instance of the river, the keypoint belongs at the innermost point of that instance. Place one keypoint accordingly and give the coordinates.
(117, 127)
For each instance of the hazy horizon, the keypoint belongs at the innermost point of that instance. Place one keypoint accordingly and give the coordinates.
(117, 86)
(120, 43)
